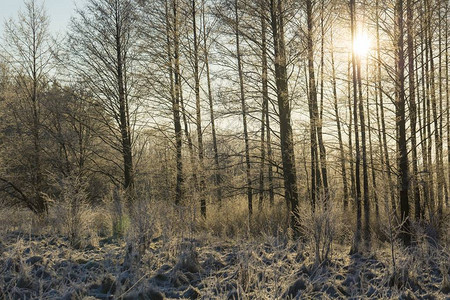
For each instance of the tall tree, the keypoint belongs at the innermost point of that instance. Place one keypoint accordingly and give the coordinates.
(217, 175)
(265, 104)
(357, 240)
(102, 40)
(198, 110)
(266, 100)
(244, 109)
(313, 111)
(447, 91)
(387, 163)
(177, 105)
(364, 154)
(338, 126)
(372, 164)
(401, 124)
(319, 121)
(172, 53)
(284, 109)
(434, 108)
(350, 124)
(27, 49)
(412, 103)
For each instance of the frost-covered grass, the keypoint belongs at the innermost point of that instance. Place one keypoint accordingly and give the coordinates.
(223, 257)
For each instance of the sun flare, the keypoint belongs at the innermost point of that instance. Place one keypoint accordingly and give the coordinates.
(361, 44)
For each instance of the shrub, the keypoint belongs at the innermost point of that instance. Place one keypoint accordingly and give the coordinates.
(73, 210)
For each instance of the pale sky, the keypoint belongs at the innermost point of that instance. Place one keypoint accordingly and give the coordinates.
(59, 12)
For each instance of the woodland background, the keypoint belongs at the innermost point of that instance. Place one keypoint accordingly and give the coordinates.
(318, 125)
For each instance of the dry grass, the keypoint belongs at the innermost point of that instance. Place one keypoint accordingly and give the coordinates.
(225, 256)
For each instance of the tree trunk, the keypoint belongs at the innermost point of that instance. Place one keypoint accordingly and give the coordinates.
(412, 106)
(383, 122)
(200, 170)
(244, 112)
(322, 150)
(364, 156)
(313, 111)
(355, 246)
(350, 125)
(372, 164)
(123, 114)
(437, 136)
(401, 125)
(176, 108)
(217, 177)
(39, 202)
(447, 96)
(428, 182)
(338, 125)
(441, 109)
(286, 136)
(265, 107)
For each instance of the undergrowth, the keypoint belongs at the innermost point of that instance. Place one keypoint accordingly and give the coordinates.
(175, 253)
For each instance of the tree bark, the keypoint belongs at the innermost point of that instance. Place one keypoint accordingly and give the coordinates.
(350, 140)
(176, 107)
(200, 170)
(357, 240)
(265, 107)
(244, 112)
(286, 135)
(366, 229)
(372, 164)
(433, 100)
(387, 162)
(412, 105)
(217, 176)
(401, 126)
(338, 125)
(313, 111)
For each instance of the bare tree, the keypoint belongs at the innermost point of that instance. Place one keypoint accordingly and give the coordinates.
(412, 104)
(101, 43)
(28, 50)
(244, 110)
(198, 110)
(176, 94)
(401, 125)
(284, 109)
(217, 175)
(338, 126)
(357, 240)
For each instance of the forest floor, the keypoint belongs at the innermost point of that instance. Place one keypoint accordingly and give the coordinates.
(47, 267)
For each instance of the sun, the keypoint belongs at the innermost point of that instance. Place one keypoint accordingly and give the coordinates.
(361, 44)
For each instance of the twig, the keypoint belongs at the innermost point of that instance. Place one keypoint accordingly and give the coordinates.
(132, 287)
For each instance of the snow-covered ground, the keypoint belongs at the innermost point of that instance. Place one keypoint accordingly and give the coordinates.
(200, 267)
